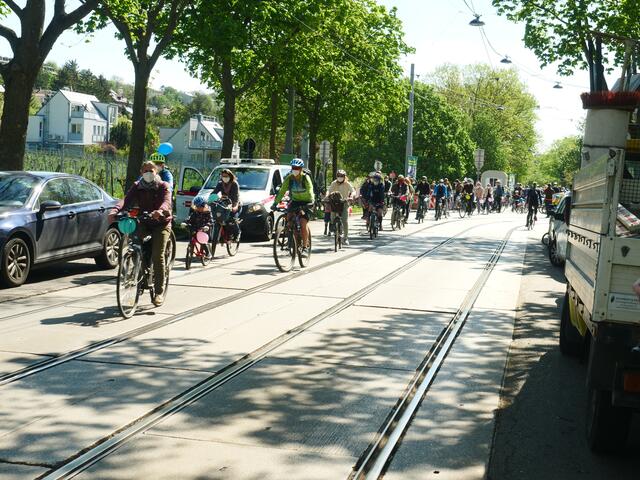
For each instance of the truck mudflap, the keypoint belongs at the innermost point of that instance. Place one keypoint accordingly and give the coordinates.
(614, 363)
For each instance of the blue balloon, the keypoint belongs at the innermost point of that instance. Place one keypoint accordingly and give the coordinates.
(165, 148)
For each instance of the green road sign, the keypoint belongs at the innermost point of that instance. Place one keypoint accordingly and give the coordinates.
(413, 166)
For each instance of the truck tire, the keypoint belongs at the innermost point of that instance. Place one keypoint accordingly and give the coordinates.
(570, 339)
(607, 427)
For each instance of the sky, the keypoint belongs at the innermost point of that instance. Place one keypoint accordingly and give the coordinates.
(438, 30)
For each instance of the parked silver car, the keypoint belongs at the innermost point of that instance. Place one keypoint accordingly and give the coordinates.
(556, 238)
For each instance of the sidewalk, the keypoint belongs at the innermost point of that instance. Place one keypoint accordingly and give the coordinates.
(540, 423)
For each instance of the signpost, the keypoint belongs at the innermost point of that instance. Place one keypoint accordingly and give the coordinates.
(413, 166)
(479, 161)
(377, 166)
(325, 151)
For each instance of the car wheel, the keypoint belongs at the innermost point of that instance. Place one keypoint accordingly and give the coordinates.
(16, 263)
(110, 249)
(267, 234)
(554, 258)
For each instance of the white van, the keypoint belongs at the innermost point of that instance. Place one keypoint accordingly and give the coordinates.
(259, 180)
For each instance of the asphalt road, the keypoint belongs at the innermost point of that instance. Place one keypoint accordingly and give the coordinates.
(297, 372)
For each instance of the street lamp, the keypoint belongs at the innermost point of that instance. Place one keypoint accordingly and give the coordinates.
(506, 60)
(558, 86)
(476, 22)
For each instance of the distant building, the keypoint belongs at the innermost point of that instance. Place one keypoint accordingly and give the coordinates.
(198, 139)
(71, 118)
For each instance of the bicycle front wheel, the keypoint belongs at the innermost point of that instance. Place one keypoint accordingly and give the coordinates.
(233, 246)
(284, 247)
(394, 219)
(189, 257)
(304, 257)
(462, 210)
(127, 291)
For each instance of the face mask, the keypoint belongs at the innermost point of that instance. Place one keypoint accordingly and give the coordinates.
(148, 177)
(340, 179)
(376, 182)
(225, 179)
(296, 172)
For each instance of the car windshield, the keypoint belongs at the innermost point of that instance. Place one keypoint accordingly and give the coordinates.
(248, 178)
(15, 190)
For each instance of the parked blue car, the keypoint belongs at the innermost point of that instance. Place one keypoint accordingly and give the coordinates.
(48, 217)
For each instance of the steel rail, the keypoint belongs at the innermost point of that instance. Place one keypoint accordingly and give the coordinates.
(108, 444)
(54, 361)
(373, 462)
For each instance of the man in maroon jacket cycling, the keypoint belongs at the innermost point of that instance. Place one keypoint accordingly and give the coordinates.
(153, 196)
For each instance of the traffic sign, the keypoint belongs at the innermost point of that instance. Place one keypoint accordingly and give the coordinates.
(479, 159)
(325, 151)
(249, 145)
(377, 165)
(413, 166)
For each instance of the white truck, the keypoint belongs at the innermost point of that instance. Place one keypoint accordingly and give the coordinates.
(601, 313)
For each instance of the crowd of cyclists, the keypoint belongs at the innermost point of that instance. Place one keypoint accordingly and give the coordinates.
(376, 195)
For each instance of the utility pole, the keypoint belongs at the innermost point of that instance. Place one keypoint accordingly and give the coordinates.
(409, 151)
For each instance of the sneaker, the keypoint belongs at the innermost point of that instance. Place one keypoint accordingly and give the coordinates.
(345, 241)
(158, 299)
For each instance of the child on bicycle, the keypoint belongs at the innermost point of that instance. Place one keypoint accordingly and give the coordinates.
(200, 217)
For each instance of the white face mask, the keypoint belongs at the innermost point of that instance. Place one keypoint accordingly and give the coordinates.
(296, 172)
(226, 179)
(149, 177)
(340, 179)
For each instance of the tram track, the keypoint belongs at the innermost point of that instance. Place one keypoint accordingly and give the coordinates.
(57, 360)
(108, 444)
(374, 461)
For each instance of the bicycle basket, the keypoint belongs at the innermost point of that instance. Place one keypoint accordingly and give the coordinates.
(221, 212)
(335, 202)
(127, 226)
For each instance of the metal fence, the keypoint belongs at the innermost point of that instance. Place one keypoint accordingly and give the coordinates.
(106, 170)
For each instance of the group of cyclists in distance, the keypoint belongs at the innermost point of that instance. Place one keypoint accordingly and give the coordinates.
(376, 194)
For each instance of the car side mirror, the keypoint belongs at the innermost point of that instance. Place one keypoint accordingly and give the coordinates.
(49, 205)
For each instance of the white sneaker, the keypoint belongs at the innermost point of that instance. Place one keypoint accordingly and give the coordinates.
(345, 241)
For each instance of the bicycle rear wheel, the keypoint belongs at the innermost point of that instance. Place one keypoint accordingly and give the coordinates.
(462, 210)
(205, 249)
(284, 247)
(394, 215)
(127, 291)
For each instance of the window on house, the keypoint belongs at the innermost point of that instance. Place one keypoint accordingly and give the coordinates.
(76, 128)
(194, 135)
(77, 108)
(40, 129)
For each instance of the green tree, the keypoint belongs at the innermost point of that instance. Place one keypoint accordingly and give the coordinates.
(47, 76)
(500, 113)
(571, 33)
(248, 39)
(147, 28)
(559, 162)
(68, 77)
(120, 134)
(29, 48)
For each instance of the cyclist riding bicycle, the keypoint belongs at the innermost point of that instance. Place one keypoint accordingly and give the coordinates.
(441, 193)
(229, 189)
(342, 185)
(423, 189)
(151, 194)
(401, 189)
(533, 201)
(467, 190)
(364, 193)
(376, 197)
(300, 188)
(498, 194)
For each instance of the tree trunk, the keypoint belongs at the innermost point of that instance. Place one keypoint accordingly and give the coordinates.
(313, 140)
(138, 123)
(334, 157)
(274, 123)
(229, 113)
(15, 116)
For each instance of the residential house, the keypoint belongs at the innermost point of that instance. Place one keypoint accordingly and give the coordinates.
(197, 141)
(71, 118)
